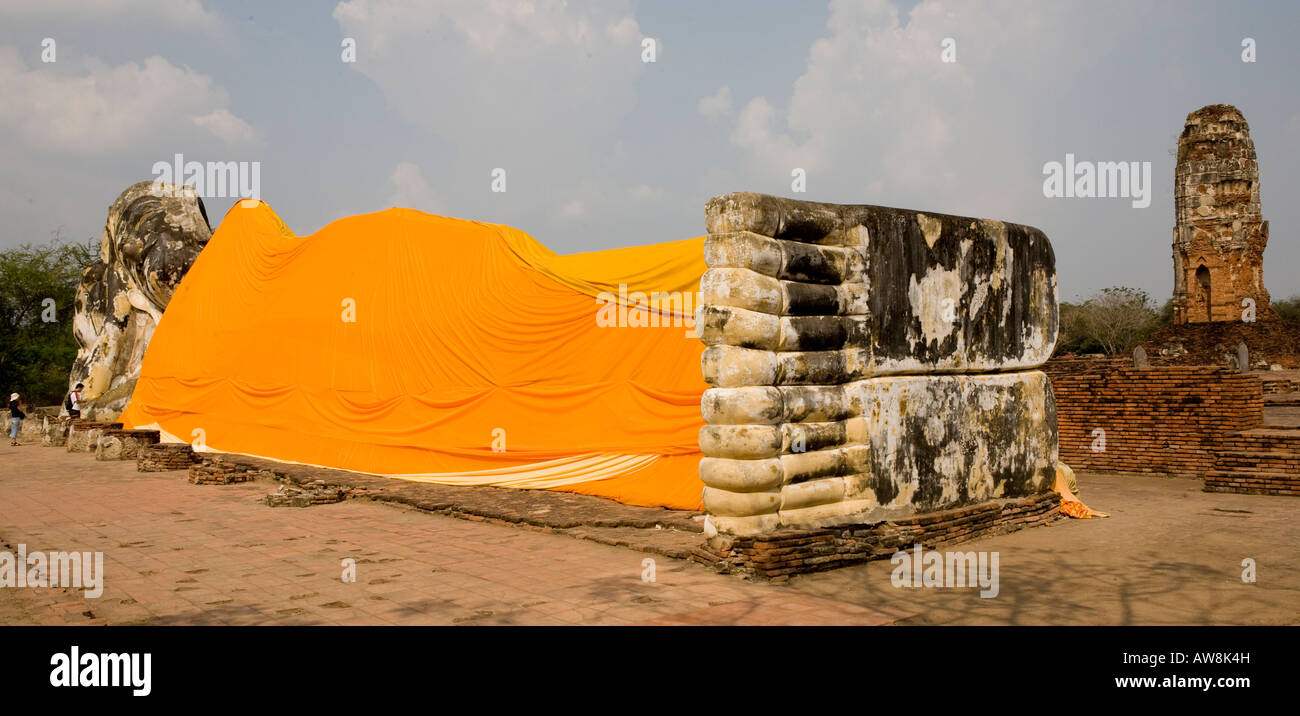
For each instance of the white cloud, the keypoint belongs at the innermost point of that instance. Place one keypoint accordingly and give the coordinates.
(645, 192)
(573, 209)
(626, 31)
(499, 75)
(410, 189)
(176, 13)
(756, 133)
(537, 88)
(98, 109)
(876, 108)
(227, 127)
(718, 104)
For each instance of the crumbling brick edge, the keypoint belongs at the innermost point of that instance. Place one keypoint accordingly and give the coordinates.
(779, 555)
(1286, 485)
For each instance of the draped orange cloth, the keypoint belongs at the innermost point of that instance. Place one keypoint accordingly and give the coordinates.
(416, 346)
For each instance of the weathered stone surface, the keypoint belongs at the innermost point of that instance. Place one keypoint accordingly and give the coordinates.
(306, 496)
(83, 435)
(870, 363)
(32, 428)
(918, 444)
(934, 292)
(149, 242)
(939, 442)
(1219, 230)
(54, 431)
(118, 444)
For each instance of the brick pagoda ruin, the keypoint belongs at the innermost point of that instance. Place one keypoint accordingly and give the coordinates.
(1220, 232)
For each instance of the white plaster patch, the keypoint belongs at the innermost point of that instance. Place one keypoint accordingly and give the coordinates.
(977, 299)
(1036, 344)
(931, 227)
(948, 466)
(979, 485)
(932, 299)
(1001, 251)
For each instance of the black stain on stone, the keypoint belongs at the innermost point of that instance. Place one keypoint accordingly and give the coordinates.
(808, 299)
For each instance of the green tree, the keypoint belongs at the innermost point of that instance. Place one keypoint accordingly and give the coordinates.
(1110, 321)
(1288, 309)
(1072, 337)
(38, 284)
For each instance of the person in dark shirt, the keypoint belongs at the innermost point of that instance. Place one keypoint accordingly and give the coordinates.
(16, 416)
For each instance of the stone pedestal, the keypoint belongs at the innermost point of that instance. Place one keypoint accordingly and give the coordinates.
(54, 431)
(32, 430)
(870, 363)
(83, 435)
(117, 444)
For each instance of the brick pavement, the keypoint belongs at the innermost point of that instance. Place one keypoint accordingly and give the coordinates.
(1169, 554)
(176, 553)
(183, 554)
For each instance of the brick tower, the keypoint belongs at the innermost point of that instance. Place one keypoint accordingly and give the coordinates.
(1220, 233)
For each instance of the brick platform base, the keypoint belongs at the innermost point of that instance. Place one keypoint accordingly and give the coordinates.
(290, 496)
(778, 555)
(1257, 462)
(1166, 419)
(166, 456)
(124, 444)
(1278, 386)
(54, 432)
(218, 470)
(83, 435)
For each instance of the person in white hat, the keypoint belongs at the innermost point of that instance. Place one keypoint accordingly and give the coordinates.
(16, 416)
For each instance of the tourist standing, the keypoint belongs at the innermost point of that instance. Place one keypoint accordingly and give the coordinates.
(73, 402)
(16, 416)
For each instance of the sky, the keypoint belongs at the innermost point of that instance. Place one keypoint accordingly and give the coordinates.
(603, 149)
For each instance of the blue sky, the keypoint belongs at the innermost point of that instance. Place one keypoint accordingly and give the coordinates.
(603, 150)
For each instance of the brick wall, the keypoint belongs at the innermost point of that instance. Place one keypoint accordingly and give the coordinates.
(161, 457)
(1277, 386)
(1164, 419)
(778, 555)
(1257, 462)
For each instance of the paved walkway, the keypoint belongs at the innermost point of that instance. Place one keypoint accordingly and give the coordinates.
(176, 553)
(659, 531)
(1169, 554)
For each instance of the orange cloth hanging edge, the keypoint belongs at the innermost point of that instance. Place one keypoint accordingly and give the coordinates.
(1071, 505)
(669, 479)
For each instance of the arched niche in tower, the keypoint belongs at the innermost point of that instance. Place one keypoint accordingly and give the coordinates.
(1203, 280)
